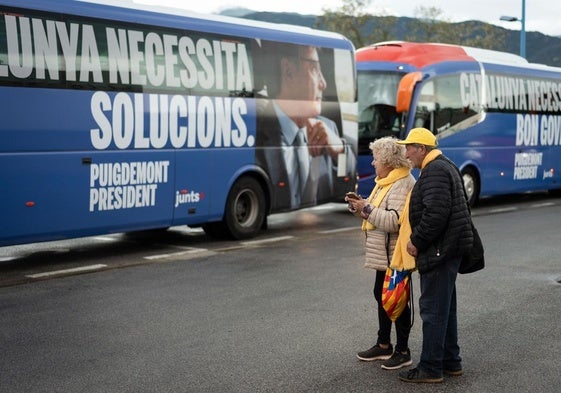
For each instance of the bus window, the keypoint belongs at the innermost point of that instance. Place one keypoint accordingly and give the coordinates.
(377, 114)
(440, 109)
(377, 121)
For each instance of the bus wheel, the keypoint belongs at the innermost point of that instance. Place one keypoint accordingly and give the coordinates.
(556, 193)
(244, 215)
(471, 184)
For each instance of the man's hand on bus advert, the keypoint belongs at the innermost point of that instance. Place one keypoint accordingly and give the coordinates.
(320, 140)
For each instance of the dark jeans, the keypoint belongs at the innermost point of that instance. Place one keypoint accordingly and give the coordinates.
(437, 306)
(402, 323)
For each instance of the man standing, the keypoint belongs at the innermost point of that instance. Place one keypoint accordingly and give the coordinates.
(441, 233)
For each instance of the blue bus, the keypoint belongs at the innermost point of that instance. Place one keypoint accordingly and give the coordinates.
(495, 115)
(119, 118)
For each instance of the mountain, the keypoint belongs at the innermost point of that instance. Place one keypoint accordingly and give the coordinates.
(238, 12)
(540, 48)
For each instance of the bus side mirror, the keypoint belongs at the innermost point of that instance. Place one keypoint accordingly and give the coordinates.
(405, 91)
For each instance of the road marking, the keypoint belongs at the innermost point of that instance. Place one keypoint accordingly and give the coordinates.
(503, 210)
(176, 254)
(81, 269)
(264, 241)
(106, 238)
(321, 207)
(545, 204)
(341, 230)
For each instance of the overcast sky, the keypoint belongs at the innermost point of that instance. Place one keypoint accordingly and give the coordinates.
(541, 15)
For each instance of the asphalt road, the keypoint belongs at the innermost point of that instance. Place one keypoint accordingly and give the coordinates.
(286, 313)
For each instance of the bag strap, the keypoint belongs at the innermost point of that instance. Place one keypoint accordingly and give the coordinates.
(411, 302)
(388, 236)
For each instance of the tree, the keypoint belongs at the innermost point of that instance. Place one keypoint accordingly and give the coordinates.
(429, 25)
(480, 35)
(352, 20)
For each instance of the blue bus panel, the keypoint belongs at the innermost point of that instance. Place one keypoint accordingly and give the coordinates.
(131, 118)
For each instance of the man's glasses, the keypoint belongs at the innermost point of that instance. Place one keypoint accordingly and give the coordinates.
(316, 67)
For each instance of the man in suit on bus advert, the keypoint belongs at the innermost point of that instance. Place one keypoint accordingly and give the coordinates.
(302, 151)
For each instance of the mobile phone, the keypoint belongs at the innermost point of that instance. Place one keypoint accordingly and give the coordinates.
(352, 195)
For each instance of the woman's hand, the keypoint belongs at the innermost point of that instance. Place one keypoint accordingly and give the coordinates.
(359, 206)
(354, 203)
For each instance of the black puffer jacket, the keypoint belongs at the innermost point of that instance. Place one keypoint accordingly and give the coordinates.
(439, 215)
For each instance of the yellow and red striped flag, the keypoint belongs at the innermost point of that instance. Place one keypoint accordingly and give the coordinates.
(395, 292)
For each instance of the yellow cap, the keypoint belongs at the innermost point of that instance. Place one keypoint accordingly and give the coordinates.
(421, 136)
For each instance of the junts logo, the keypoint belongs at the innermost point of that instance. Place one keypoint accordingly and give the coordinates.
(186, 196)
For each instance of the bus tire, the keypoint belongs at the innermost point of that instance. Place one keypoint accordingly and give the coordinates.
(555, 192)
(245, 212)
(216, 230)
(471, 184)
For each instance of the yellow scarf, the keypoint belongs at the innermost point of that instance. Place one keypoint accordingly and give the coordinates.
(429, 157)
(401, 259)
(381, 189)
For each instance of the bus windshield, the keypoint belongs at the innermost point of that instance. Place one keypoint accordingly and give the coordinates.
(377, 114)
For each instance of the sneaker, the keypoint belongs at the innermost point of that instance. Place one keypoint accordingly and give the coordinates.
(375, 353)
(417, 375)
(454, 373)
(398, 360)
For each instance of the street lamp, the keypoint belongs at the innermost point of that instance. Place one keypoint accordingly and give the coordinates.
(522, 20)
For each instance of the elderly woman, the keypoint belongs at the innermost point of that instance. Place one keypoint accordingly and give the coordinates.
(380, 214)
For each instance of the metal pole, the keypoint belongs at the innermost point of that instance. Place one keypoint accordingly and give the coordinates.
(523, 31)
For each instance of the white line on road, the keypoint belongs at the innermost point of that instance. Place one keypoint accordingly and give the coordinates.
(67, 271)
(503, 210)
(264, 241)
(341, 230)
(106, 238)
(321, 207)
(545, 204)
(176, 254)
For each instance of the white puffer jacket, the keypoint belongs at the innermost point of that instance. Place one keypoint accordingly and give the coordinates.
(386, 220)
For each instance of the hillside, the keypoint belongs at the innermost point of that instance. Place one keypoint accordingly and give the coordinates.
(540, 48)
